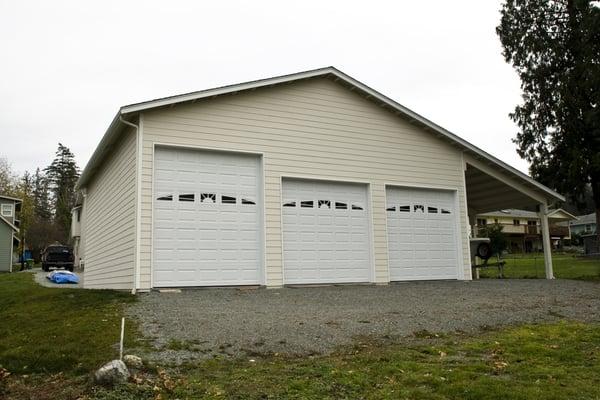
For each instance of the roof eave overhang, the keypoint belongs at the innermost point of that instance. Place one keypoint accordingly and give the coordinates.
(413, 117)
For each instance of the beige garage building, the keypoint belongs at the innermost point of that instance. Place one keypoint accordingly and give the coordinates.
(300, 179)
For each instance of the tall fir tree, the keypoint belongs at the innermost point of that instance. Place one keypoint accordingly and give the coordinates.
(41, 196)
(554, 45)
(62, 176)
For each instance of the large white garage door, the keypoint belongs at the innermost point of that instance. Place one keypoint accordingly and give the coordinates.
(207, 217)
(325, 232)
(421, 234)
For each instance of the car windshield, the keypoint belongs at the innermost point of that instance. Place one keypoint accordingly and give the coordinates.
(58, 249)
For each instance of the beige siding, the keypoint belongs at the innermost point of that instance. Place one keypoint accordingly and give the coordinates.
(314, 129)
(108, 219)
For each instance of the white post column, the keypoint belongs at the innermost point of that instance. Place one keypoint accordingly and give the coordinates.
(543, 214)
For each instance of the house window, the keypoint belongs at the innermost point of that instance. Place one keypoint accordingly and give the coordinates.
(588, 227)
(307, 204)
(289, 204)
(495, 220)
(481, 221)
(404, 208)
(419, 207)
(531, 223)
(357, 207)
(168, 197)
(7, 210)
(248, 202)
(446, 211)
(78, 214)
(186, 197)
(391, 208)
(516, 222)
(432, 210)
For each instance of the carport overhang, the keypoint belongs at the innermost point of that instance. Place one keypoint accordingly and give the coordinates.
(490, 188)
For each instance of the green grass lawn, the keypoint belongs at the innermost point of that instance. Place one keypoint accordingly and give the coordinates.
(57, 330)
(532, 266)
(52, 339)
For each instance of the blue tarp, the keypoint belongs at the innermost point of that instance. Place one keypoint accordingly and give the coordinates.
(63, 277)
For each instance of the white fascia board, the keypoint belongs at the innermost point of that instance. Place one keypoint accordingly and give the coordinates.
(98, 154)
(14, 228)
(132, 108)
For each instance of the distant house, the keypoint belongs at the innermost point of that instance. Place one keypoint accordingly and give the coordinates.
(584, 225)
(9, 228)
(523, 228)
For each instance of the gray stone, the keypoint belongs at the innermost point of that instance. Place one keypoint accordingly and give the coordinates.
(112, 373)
(133, 361)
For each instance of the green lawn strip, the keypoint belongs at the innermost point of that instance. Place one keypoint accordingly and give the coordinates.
(554, 361)
(565, 267)
(53, 330)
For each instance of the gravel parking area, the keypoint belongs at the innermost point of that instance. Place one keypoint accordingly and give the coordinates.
(205, 323)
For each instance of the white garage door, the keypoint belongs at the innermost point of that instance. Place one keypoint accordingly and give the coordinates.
(325, 232)
(421, 234)
(207, 217)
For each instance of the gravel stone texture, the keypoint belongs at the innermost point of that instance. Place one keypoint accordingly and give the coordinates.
(206, 323)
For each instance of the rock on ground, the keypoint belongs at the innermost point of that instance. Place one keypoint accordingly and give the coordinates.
(112, 373)
(133, 361)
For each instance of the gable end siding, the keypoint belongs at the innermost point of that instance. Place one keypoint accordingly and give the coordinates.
(108, 222)
(6, 241)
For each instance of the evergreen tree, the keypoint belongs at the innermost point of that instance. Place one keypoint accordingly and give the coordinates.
(41, 196)
(554, 45)
(62, 175)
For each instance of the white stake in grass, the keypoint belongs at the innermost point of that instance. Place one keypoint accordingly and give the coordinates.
(122, 336)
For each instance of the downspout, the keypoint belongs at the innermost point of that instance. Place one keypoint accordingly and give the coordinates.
(138, 167)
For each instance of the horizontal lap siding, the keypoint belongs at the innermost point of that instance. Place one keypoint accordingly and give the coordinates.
(108, 220)
(6, 247)
(315, 128)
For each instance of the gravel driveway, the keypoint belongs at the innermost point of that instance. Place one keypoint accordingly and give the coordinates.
(205, 323)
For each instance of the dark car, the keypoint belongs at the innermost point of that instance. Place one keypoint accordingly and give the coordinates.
(57, 256)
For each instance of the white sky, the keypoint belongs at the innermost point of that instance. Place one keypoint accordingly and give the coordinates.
(66, 66)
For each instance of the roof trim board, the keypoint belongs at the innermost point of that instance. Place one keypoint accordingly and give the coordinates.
(338, 75)
(9, 223)
(11, 198)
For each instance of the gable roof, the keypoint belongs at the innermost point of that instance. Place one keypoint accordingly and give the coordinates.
(7, 222)
(133, 109)
(585, 219)
(11, 198)
(558, 214)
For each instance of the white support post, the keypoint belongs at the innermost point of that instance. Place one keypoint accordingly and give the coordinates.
(543, 214)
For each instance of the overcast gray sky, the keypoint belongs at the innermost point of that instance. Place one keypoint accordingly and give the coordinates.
(66, 66)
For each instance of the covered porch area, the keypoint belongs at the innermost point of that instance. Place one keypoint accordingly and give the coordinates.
(490, 188)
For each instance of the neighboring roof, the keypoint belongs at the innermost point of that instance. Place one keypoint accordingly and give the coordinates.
(11, 198)
(7, 222)
(558, 214)
(585, 219)
(132, 109)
